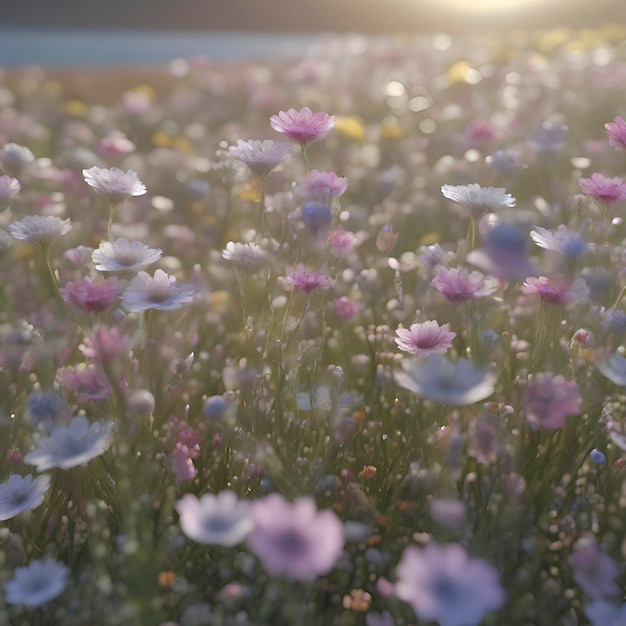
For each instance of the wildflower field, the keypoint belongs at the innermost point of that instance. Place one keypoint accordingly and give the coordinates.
(333, 340)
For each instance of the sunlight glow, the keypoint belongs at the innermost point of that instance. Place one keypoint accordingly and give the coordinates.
(489, 6)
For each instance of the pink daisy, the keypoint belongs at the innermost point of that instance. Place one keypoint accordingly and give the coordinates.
(611, 190)
(457, 285)
(426, 338)
(302, 126)
(616, 131)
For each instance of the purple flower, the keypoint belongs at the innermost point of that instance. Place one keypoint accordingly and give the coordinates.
(549, 399)
(90, 295)
(440, 380)
(616, 131)
(20, 494)
(320, 187)
(603, 613)
(425, 338)
(609, 190)
(295, 539)
(113, 183)
(36, 584)
(220, 519)
(87, 382)
(72, 445)
(156, 292)
(40, 230)
(261, 157)
(457, 285)
(549, 137)
(306, 280)
(442, 583)
(346, 309)
(302, 126)
(124, 256)
(552, 292)
(594, 572)
(479, 200)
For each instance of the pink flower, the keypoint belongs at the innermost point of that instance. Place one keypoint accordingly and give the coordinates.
(306, 280)
(340, 243)
(89, 295)
(558, 294)
(295, 539)
(105, 344)
(610, 190)
(617, 133)
(302, 126)
(457, 285)
(182, 463)
(114, 183)
(346, 309)
(424, 339)
(320, 187)
(549, 399)
(87, 382)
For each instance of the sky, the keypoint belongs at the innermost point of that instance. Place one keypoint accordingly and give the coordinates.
(368, 16)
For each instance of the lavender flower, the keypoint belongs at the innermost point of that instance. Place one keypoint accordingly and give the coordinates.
(249, 256)
(36, 584)
(442, 583)
(555, 293)
(20, 494)
(609, 190)
(69, 446)
(595, 573)
(295, 539)
(438, 379)
(220, 519)
(549, 137)
(614, 368)
(156, 292)
(90, 295)
(9, 188)
(261, 157)
(39, 230)
(320, 187)
(479, 200)
(124, 256)
(563, 240)
(115, 184)
(425, 339)
(306, 280)
(457, 285)
(603, 613)
(549, 399)
(46, 408)
(302, 126)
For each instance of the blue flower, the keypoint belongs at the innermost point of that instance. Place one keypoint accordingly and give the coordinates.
(20, 494)
(36, 584)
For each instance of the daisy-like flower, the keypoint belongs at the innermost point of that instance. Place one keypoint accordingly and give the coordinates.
(86, 382)
(551, 292)
(563, 240)
(479, 200)
(36, 584)
(442, 583)
(20, 494)
(320, 187)
(457, 285)
(549, 399)
(303, 126)
(609, 190)
(249, 256)
(438, 379)
(40, 230)
(156, 292)
(9, 188)
(261, 157)
(425, 339)
(295, 539)
(616, 131)
(306, 280)
(122, 255)
(72, 445)
(221, 519)
(115, 184)
(89, 295)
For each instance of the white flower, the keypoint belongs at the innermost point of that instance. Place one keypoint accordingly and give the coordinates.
(563, 240)
(9, 188)
(69, 446)
(36, 584)
(479, 200)
(40, 230)
(220, 519)
(20, 494)
(158, 292)
(246, 255)
(261, 157)
(124, 256)
(438, 379)
(114, 183)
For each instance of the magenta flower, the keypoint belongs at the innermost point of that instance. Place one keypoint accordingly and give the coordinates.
(346, 309)
(549, 399)
(457, 285)
(610, 190)
(442, 583)
(320, 187)
(302, 126)
(616, 131)
(182, 463)
(113, 183)
(426, 338)
(90, 295)
(555, 293)
(306, 280)
(295, 539)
